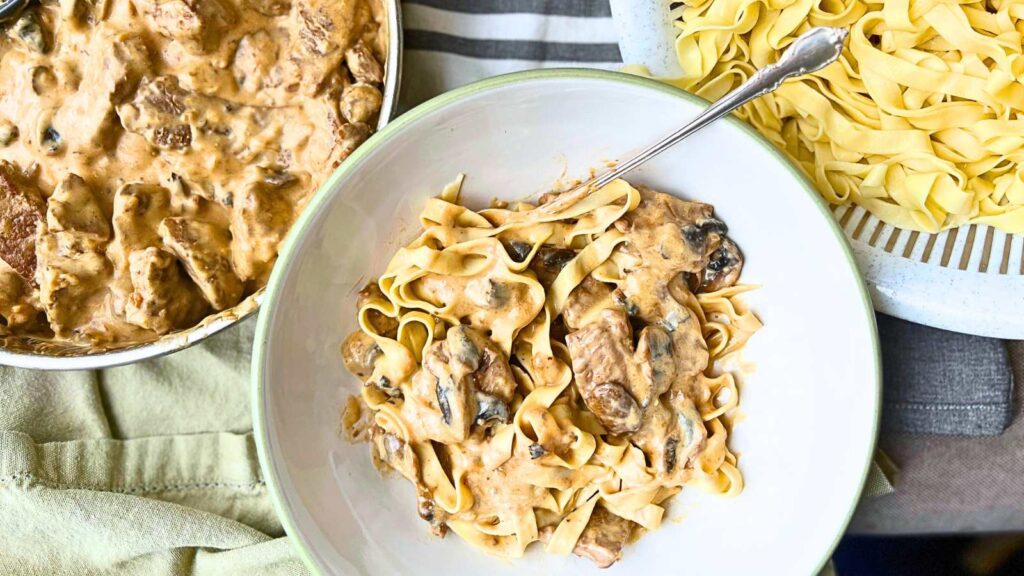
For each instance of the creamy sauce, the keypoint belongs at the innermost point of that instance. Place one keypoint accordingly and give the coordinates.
(156, 152)
(467, 425)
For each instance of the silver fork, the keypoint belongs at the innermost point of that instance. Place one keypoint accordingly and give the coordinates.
(812, 51)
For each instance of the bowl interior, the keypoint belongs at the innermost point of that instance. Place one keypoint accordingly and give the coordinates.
(809, 401)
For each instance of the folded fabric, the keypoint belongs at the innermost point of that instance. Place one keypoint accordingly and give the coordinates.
(145, 469)
(940, 382)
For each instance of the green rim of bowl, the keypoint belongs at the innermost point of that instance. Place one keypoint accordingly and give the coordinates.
(325, 192)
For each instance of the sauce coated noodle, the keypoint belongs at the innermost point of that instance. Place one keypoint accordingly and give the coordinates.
(554, 374)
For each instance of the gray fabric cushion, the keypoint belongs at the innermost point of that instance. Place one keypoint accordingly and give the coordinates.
(939, 382)
(952, 484)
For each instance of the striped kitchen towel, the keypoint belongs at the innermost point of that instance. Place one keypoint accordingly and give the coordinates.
(449, 43)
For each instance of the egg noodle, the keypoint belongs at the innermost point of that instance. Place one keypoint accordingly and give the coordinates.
(919, 122)
(457, 303)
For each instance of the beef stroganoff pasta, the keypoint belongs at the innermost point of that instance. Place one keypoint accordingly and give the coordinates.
(553, 373)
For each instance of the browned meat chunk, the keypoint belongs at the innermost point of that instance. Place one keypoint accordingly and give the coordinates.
(603, 538)
(73, 208)
(360, 103)
(318, 21)
(585, 301)
(682, 237)
(393, 452)
(149, 288)
(138, 210)
(254, 60)
(468, 379)
(17, 307)
(158, 113)
(197, 24)
(321, 30)
(205, 250)
(73, 273)
(363, 66)
(85, 119)
(260, 218)
(611, 378)
(21, 212)
(73, 270)
(162, 298)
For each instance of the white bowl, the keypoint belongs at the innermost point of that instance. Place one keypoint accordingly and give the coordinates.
(810, 405)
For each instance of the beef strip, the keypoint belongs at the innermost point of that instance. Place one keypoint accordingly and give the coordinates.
(602, 540)
(606, 375)
(73, 270)
(162, 297)
(149, 288)
(260, 217)
(197, 24)
(205, 251)
(21, 213)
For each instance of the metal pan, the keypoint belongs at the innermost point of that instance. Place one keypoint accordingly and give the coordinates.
(29, 352)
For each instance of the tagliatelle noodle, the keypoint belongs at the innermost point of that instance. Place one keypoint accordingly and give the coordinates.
(590, 468)
(920, 120)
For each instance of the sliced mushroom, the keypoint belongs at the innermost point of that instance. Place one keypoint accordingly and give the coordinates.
(614, 407)
(537, 451)
(50, 139)
(360, 353)
(428, 511)
(29, 32)
(654, 351)
(363, 66)
(686, 434)
(518, 251)
(489, 293)
(8, 132)
(464, 353)
(468, 379)
(490, 410)
(724, 267)
(396, 453)
(360, 102)
(549, 261)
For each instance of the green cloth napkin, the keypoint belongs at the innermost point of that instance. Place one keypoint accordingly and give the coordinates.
(147, 469)
(144, 469)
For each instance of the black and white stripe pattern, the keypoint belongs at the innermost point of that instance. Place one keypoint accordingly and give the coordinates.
(449, 43)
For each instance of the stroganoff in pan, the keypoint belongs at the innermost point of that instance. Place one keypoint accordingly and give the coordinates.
(154, 153)
(553, 373)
